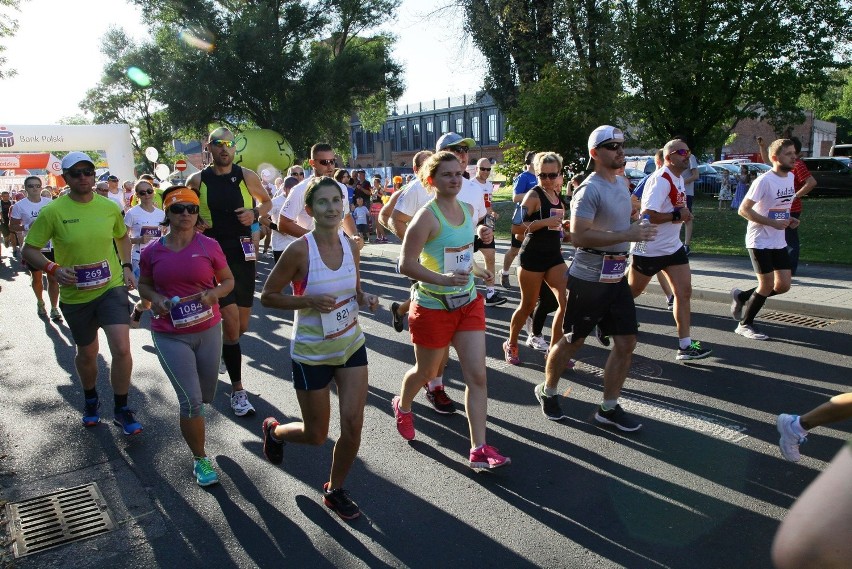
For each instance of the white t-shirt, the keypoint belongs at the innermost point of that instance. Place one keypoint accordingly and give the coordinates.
(294, 205)
(279, 240)
(772, 196)
(27, 212)
(138, 220)
(690, 187)
(655, 196)
(416, 196)
(487, 190)
(118, 197)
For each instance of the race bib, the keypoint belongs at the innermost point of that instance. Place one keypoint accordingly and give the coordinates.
(779, 214)
(150, 232)
(248, 248)
(613, 268)
(342, 317)
(93, 276)
(189, 311)
(458, 259)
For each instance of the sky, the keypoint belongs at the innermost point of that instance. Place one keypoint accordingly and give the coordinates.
(41, 94)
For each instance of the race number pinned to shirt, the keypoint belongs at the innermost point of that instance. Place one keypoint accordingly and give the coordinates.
(92, 276)
(248, 248)
(613, 268)
(779, 214)
(342, 317)
(458, 259)
(190, 311)
(150, 232)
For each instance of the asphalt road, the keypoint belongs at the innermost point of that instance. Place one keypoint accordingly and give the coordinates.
(701, 485)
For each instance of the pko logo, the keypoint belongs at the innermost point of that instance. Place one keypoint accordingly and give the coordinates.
(7, 138)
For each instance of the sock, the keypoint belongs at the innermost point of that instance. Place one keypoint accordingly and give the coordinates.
(504, 272)
(609, 404)
(685, 342)
(90, 393)
(437, 382)
(550, 391)
(752, 307)
(489, 292)
(474, 449)
(279, 440)
(232, 355)
(120, 400)
(745, 295)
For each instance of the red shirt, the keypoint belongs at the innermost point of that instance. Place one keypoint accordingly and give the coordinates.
(800, 176)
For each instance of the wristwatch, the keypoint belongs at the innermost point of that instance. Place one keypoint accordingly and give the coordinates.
(127, 265)
(676, 215)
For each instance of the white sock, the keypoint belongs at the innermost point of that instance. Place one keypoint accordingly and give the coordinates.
(504, 272)
(437, 382)
(609, 404)
(685, 342)
(550, 391)
(489, 292)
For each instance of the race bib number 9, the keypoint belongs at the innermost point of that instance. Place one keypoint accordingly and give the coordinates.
(342, 317)
(93, 276)
(613, 268)
(190, 311)
(458, 259)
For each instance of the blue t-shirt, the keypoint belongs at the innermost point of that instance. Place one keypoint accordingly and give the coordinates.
(525, 182)
(360, 214)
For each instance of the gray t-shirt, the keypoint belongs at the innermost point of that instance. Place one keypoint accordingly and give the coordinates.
(693, 164)
(608, 205)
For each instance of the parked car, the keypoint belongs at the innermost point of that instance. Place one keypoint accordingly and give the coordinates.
(709, 180)
(832, 174)
(734, 167)
(841, 150)
(635, 176)
(642, 163)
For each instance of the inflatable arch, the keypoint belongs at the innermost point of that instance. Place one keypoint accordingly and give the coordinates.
(113, 139)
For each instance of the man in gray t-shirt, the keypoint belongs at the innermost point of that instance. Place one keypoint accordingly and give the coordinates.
(598, 293)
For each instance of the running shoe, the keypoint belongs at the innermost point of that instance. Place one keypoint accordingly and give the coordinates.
(617, 417)
(339, 502)
(273, 450)
(670, 302)
(736, 305)
(205, 475)
(135, 317)
(693, 352)
(538, 343)
(504, 280)
(604, 340)
(487, 457)
(125, 419)
(404, 421)
(42, 311)
(55, 315)
(750, 332)
(440, 401)
(91, 413)
(549, 404)
(240, 403)
(790, 439)
(496, 299)
(397, 318)
(510, 351)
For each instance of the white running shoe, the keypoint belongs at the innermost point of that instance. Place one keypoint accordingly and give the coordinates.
(790, 439)
(222, 367)
(240, 403)
(750, 333)
(538, 344)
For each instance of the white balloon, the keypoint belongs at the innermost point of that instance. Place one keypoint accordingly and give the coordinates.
(162, 171)
(152, 154)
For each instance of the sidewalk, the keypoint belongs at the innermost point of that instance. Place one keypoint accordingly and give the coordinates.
(818, 290)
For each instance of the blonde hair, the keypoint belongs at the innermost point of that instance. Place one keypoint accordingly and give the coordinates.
(430, 167)
(543, 158)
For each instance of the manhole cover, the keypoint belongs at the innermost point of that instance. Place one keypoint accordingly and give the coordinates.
(796, 319)
(58, 518)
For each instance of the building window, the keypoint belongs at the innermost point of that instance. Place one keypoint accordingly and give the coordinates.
(403, 137)
(444, 126)
(474, 128)
(392, 138)
(492, 128)
(415, 131)
(460, 126)
(371, 140)
(430, 135)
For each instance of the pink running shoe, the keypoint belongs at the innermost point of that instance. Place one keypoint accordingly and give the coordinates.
(511, 353)
(404, 421)
(488, 458)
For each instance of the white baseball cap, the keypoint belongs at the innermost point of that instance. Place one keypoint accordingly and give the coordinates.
(451, 139)
(602, 135)
(73, 158)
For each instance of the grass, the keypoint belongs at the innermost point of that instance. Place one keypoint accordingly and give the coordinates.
(825, 233)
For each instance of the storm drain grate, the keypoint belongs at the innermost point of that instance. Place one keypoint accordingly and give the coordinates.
(796, 319)
(58, 518)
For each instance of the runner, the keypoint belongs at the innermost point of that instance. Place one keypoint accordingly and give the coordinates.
(187, 334)
(94, 271)
(21, 217)
(143, 223)
(227, 192)
(446, 309)
(327, 342)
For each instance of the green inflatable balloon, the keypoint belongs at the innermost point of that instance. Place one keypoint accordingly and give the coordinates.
(263, 146)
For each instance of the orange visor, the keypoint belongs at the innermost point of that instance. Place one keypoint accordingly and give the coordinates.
(183, 195)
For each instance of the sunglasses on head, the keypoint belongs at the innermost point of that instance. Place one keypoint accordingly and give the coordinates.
(331, 162)
(611, 145)
(220, 142)
(549, 175)
(680, 152)
(178, 208)
(81, 172)
(457, 148)
(149, 191)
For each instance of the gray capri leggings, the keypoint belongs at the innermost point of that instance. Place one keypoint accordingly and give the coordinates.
(191, 361)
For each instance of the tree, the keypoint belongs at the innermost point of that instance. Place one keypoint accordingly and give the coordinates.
(300, 69)
(835, 104)
(697, 67)
(7, 29)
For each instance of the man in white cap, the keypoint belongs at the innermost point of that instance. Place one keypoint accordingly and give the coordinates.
(598, 293)
(92, 266)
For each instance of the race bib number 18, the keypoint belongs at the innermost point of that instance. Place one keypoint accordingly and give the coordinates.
(458, 259)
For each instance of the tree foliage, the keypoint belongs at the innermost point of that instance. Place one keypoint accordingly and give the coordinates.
(835, 104)
(7, 29)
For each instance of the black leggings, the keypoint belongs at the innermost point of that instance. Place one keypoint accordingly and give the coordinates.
(547, 303)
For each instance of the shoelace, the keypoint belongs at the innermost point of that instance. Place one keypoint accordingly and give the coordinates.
(203, 464)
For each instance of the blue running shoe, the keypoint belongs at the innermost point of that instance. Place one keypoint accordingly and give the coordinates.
(91, 415)
(205, 475)
(125, 419)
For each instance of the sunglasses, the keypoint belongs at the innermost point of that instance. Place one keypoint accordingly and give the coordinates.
(179, 208)
(77, 173)
(549, 175)
(220, 143)
(485, 169)
(144, 192)
(331, 162)
(457, 148)
(681, 152)
(33, 187)
(298, 174)
(612, 145)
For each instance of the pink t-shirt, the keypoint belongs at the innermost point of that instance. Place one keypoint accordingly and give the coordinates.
(184, 274)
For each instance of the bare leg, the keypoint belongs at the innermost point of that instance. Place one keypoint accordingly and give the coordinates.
(835, 409)
(352, 394)
(472, 345)
(192, 429)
